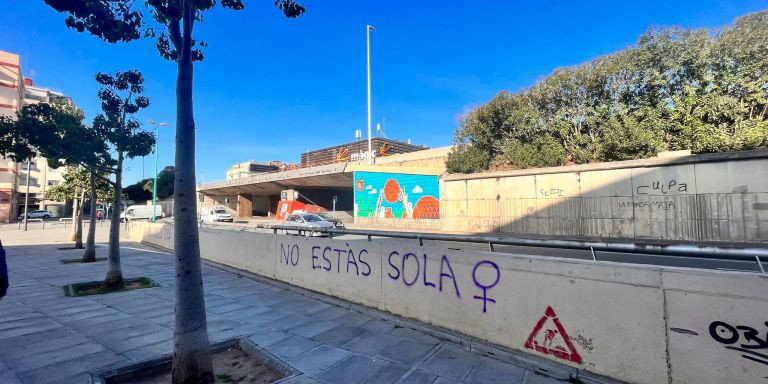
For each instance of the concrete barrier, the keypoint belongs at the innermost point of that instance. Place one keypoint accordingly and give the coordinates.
(639, 324)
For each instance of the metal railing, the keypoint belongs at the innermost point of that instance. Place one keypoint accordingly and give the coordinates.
(31, 220)
(758, 255)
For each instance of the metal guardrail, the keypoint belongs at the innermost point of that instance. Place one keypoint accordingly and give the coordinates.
(69, 220)
(758, 255)
(31, 220)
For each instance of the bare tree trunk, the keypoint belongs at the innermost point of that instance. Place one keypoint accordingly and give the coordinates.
(114, 278)
(75, 209)
(90, 244)
(191, 346)
(79, 226)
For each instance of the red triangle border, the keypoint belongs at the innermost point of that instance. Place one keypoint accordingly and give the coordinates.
(573, 356)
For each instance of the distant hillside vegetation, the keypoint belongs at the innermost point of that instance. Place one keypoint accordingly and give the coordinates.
(703, 90)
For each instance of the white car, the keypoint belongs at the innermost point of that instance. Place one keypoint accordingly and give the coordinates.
(38, 214)
(141, 212)
(215, 215)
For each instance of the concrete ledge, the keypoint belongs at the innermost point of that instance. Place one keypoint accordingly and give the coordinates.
(486, 348)
(639, 163)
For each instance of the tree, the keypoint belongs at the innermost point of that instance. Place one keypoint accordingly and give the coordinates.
(76, 181)
(137, 191)
(58, 133)
(165, 180)
(121, 98)
(116, 20)
(78, 184)
(702, 90)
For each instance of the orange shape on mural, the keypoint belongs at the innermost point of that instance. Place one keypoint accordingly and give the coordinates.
(427, 207)
(391, 190)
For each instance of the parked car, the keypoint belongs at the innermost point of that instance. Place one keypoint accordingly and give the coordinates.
(337, 223)
(141, 212)
(215, 214)
(38, 214)
(306, 222)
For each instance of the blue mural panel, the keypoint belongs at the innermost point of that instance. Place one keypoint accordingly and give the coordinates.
(396, 195)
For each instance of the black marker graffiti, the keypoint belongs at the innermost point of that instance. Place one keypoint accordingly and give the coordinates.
(664, 188)
(552, 192)
(748, 340)
(665, 205)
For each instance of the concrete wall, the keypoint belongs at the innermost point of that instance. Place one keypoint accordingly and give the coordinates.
(695, 198)
(634, 323)
(428, 158)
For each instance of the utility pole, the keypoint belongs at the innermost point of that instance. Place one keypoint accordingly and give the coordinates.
(154, 183)
(26, 197)
(368, 30)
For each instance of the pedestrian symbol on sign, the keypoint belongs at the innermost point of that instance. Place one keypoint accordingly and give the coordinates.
(552, 338)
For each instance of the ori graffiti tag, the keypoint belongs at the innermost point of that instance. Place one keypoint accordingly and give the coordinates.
(742, 339)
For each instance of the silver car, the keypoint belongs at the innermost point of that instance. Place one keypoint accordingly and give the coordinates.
(38, 214)
(306, 222)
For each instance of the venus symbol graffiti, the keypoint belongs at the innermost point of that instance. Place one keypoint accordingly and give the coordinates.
(549, 337)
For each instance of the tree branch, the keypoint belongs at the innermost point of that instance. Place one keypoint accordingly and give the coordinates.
(174, 31)
(188, 14)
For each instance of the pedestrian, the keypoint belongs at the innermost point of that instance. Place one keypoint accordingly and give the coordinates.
(3, 272)
(98, 215)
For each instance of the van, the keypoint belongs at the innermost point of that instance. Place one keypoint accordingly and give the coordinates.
(215, 214)
(141, 212)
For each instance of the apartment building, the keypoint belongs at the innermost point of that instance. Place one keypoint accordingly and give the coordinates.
(15, 92)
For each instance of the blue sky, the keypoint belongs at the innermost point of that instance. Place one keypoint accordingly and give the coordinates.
(271, 88)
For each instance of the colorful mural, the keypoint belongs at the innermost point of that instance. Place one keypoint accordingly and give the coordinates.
(396, 195)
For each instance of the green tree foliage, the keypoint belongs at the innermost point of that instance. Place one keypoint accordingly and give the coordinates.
(164, 183)
(703, 90)
(53, 130)
(76, 186)
(137, 191)
(56, 131)
(77, 181)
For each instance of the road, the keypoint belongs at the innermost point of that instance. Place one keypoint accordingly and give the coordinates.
(622, 257)
(56, 232)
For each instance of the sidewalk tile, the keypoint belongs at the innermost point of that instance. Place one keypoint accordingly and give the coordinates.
(265, 337)
(420, 377)
(313, 328)
(388, 374)
(318, 359)
(493, 371)
(451, 361)
(370, 343)
(339, 336)
(291, 347)
(355, 369)
(406, 351)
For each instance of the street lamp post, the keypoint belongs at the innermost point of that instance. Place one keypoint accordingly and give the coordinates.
(368, 30)
(154, 182)
(26, 197)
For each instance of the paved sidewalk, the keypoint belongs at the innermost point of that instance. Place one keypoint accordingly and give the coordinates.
(49, 338)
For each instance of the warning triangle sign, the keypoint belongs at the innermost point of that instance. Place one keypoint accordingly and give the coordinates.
(549, 337)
